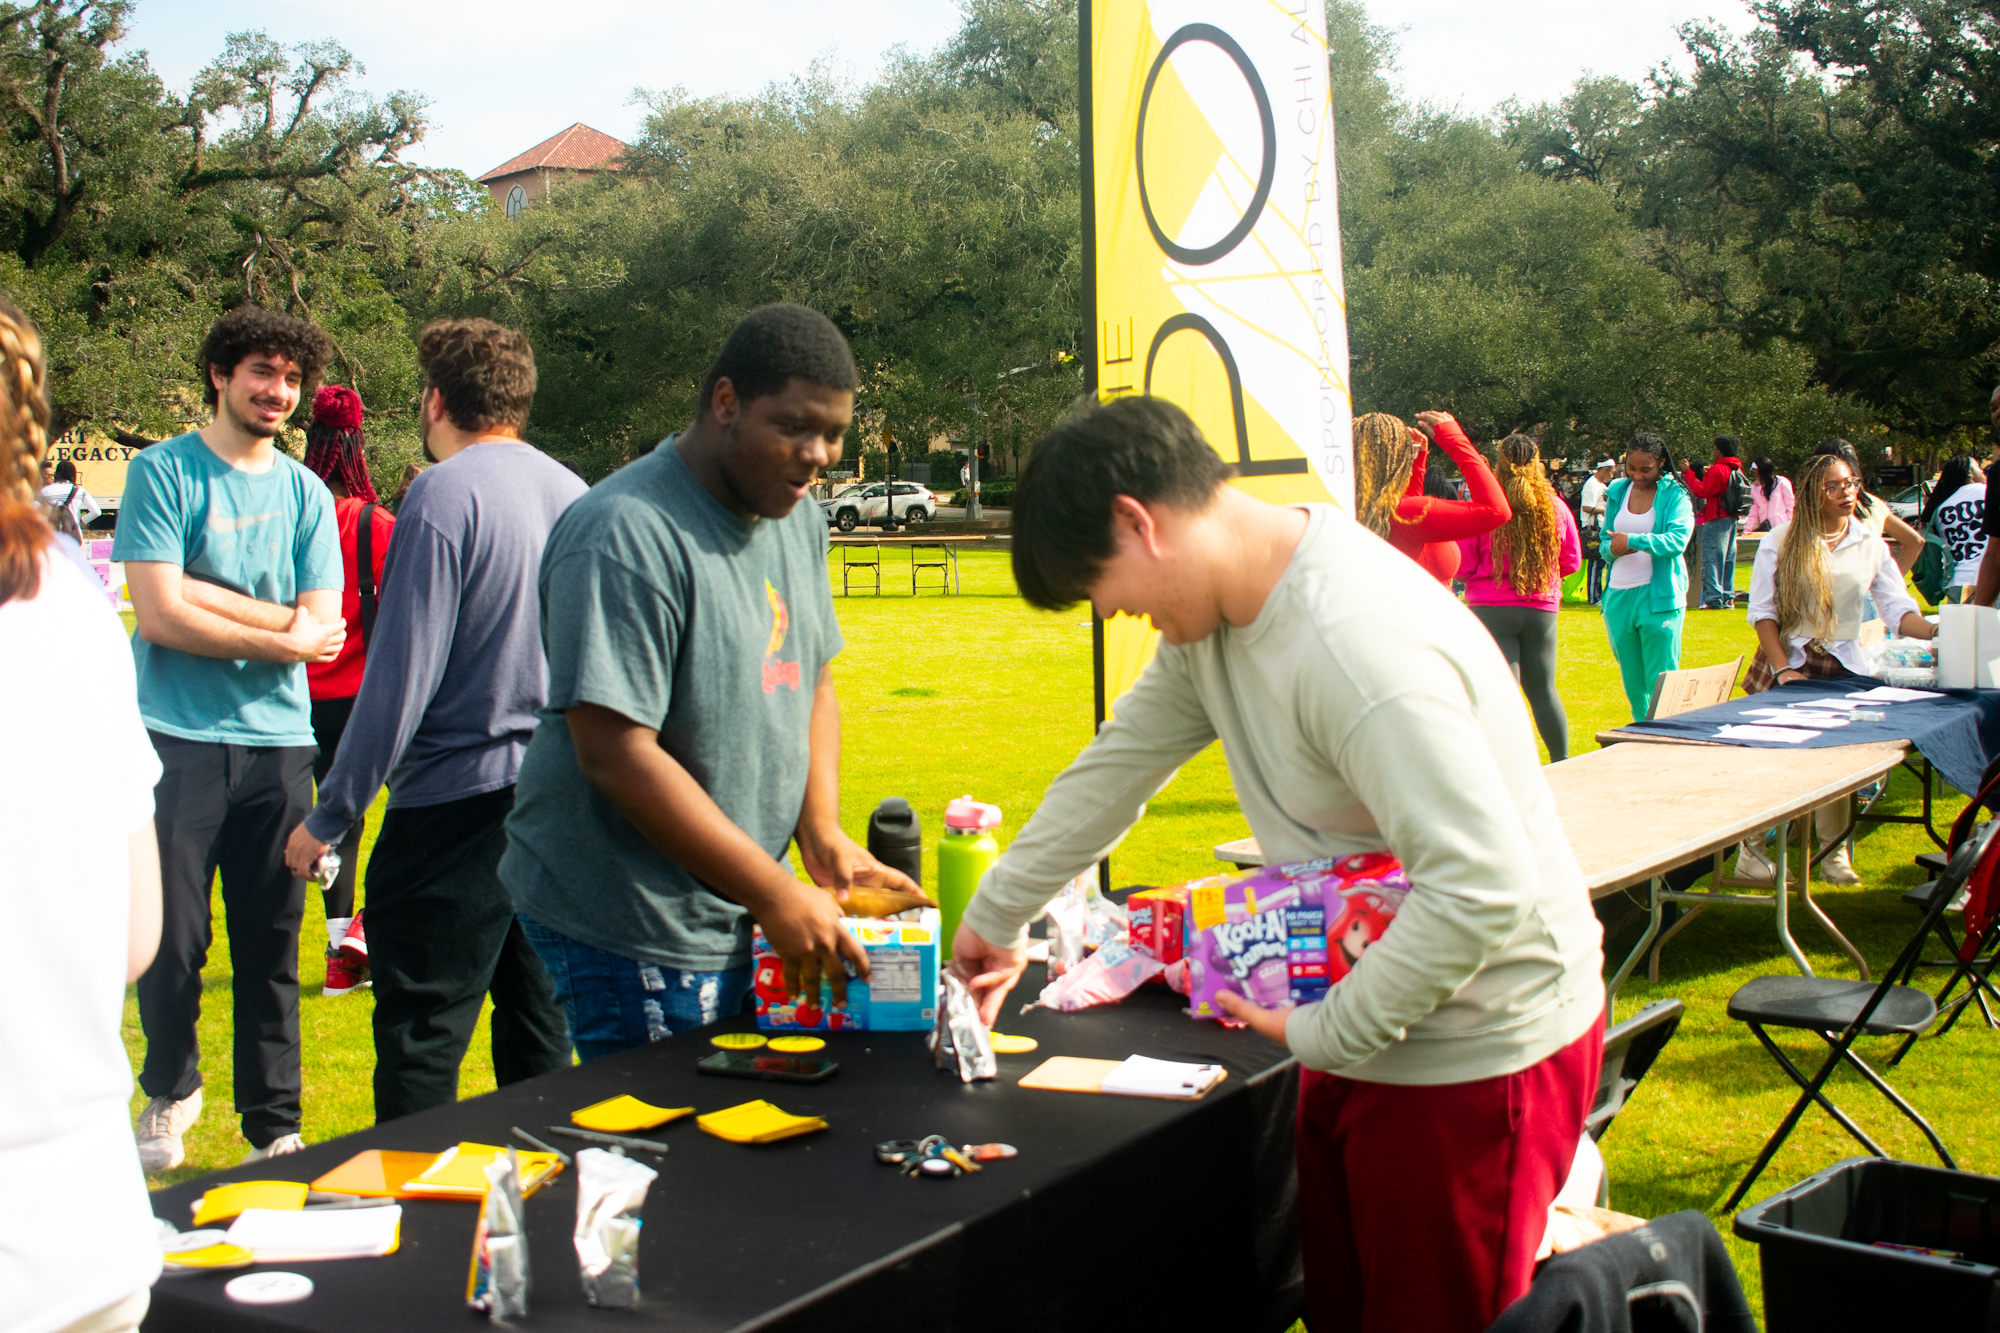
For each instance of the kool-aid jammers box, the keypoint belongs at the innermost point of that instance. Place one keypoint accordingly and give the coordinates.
(900, 994)
(1286, 933)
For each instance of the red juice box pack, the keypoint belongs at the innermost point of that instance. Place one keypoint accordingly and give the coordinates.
(1157, 922)
(1285, 934)
(900, 994)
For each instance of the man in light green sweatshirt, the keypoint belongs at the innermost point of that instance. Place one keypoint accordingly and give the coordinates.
(1361, 708)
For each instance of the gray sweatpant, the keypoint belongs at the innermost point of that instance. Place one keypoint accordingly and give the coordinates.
(1528, 637)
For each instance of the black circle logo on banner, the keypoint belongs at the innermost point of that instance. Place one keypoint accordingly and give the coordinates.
(1216, 37)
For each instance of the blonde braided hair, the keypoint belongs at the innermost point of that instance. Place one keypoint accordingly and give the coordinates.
(1529, 544)
(24, 440)
(1805, 573)
(1383, 453)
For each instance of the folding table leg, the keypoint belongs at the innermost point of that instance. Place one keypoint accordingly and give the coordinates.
(1638, 950)
(1782, 898)
(1805, 884)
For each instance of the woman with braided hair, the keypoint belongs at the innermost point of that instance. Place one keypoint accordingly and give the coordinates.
(1808, 591)
(337, 451)
(1513, 582)
(82, 902)
(1390, 465)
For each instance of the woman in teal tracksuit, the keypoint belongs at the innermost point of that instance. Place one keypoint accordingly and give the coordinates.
(1647, 521)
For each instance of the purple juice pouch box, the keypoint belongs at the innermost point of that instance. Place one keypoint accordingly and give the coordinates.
(1286, 933)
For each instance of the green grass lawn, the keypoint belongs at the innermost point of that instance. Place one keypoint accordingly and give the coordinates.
(979, 693)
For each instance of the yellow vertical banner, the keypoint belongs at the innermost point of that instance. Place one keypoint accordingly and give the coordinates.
(1212, 243)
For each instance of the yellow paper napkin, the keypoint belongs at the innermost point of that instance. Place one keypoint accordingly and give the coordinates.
(757, 1122)
(226, 1201)
(622, 1115)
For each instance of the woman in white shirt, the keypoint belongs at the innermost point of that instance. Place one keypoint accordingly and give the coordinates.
(79, 1249)
(1807, 592)
(64, 492)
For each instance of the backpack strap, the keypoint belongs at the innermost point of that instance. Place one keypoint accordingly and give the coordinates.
(364, 570)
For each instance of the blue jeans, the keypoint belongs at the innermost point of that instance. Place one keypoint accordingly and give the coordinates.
(1718, 562)
(614, 1003)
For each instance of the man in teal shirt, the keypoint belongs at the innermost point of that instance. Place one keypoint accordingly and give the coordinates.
(233, 561)
(692, 733)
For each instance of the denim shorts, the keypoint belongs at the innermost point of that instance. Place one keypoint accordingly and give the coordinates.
(615, 1003)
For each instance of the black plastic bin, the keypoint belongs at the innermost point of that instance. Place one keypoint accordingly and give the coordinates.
(1824, 1271)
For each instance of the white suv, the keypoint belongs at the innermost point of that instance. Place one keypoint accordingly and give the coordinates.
(871, 506)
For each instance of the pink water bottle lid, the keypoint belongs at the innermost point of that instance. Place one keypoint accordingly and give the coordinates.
(966, 813)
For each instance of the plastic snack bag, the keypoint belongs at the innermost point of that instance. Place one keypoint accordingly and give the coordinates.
(498, 1283)
(959, 1042)
(1108, 975)
(610, 1191)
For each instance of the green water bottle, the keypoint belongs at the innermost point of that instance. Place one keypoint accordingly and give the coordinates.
(967, 850)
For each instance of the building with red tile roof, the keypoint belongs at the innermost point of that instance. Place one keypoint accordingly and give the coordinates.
(577, 151)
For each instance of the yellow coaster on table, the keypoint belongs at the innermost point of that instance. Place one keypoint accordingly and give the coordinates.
(757, 1122)
(797, 1045)
(1006, 1045)
(622, 1115)
(738, 1041)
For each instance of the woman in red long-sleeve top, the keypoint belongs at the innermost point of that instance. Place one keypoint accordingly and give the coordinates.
(1389, 463)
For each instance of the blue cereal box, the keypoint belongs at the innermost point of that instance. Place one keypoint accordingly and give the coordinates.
(899, 996)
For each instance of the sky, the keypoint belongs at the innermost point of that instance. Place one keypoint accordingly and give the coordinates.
(502, 75)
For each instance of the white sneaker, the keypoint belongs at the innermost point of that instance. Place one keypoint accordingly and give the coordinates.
(161, 1126)
(1837, 868)
(1752, 864)
(287, 1143)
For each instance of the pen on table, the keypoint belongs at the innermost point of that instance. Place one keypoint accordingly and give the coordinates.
(320, 1202)
(612, 1140)
(535, 1143)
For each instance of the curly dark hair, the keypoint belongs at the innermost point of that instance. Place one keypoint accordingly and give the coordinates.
(485, 372)
(775, 344)
(249, 329)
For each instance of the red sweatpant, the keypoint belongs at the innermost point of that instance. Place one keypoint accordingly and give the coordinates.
(1421, 1207)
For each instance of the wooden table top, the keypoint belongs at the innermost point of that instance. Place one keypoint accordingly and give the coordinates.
(946, 539)
(1632, 811)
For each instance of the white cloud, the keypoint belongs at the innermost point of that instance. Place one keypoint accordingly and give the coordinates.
(502, 75)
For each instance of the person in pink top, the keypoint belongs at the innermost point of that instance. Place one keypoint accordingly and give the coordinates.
(1513, 582)
(1770, 497)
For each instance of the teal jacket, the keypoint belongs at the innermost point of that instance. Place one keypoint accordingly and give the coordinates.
(1673, 524)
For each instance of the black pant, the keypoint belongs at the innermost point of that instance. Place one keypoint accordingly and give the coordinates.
(329, 724)
(229, 807)
(441, 936)
(1528, 637)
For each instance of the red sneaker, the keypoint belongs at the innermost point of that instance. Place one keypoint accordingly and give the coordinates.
(342, 974)
(354, 945)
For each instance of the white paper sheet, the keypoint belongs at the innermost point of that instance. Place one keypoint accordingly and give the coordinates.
(1141, 1076)
(1892, 694)
(1791, 717)
(1835, 705)
(1760, 732)
(279, 1236)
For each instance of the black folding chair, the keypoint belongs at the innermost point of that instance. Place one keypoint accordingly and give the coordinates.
(1629, 1051)
(1841, 1012)
(1972, 958)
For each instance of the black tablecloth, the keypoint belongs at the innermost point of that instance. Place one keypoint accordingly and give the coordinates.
(1120, 1212)
(1959, 733)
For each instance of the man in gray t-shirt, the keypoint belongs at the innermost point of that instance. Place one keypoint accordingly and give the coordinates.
(692, 733)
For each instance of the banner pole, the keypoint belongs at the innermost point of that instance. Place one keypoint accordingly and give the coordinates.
(1087, 170)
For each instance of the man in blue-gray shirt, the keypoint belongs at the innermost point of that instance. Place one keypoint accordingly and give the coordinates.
(446, 707)
(692, 733)
(234, 566)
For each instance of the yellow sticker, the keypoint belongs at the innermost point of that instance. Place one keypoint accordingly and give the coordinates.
(738, 1041)
(1206, 906)
(796, 1045)
(1006, 1045)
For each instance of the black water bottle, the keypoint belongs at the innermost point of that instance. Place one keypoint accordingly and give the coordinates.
(896, 838)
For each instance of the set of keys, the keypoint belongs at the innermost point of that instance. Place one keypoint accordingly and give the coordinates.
(936, 1159)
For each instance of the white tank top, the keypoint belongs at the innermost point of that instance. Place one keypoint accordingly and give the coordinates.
(1634, 569)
